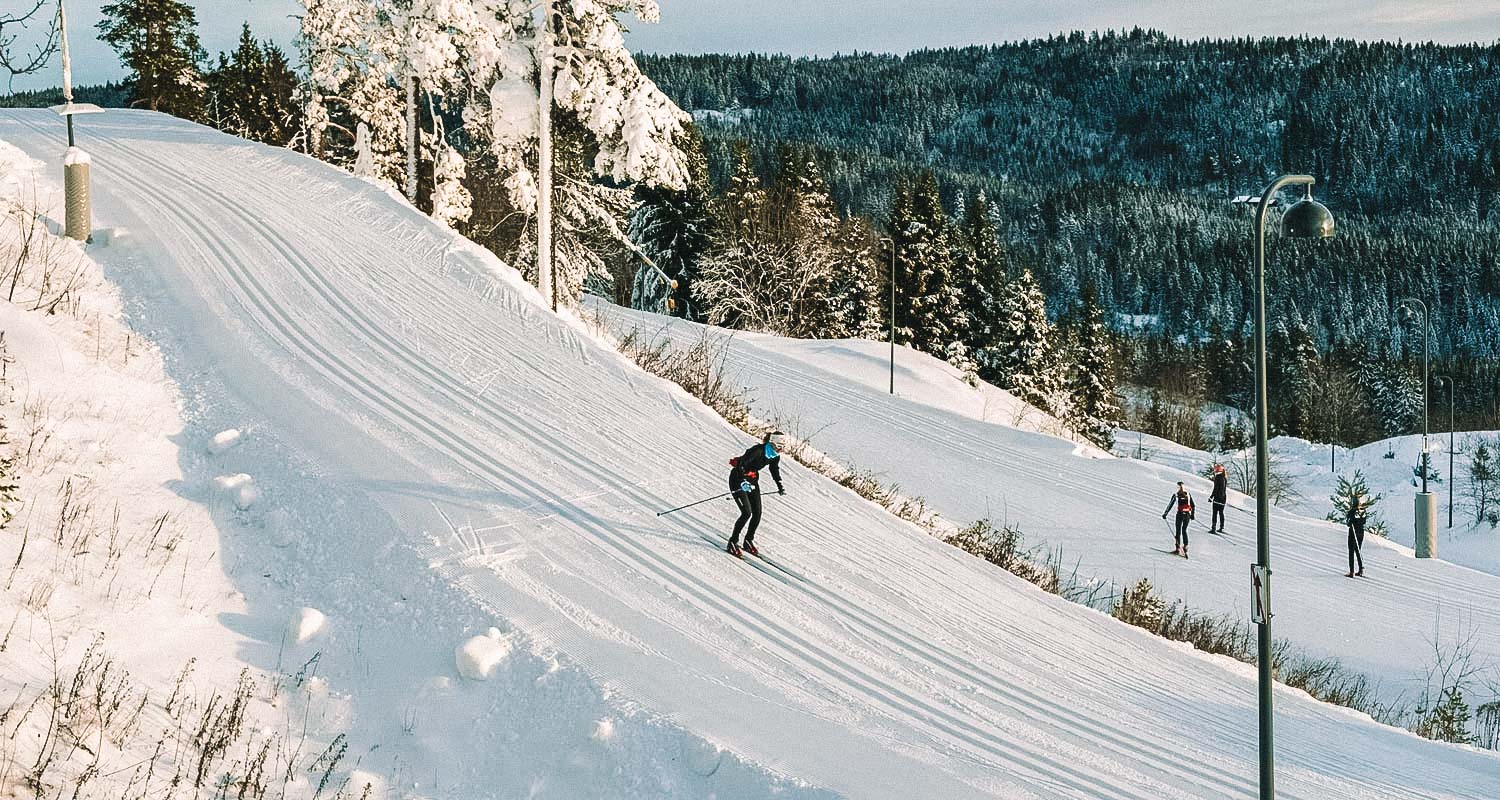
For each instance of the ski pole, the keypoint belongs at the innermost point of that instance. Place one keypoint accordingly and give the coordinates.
(694, 503)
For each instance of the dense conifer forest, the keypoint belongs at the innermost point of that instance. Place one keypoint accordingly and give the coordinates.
(1061, 212)
(1108, 164)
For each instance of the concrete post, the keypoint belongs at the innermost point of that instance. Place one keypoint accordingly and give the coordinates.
(1425, 506)
(78, 215)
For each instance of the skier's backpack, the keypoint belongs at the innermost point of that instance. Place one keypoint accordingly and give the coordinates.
(1184, 503)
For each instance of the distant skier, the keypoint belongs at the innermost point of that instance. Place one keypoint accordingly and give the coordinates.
(744, 487)
(1357, 517)
(1219, 496)
(1186, 510)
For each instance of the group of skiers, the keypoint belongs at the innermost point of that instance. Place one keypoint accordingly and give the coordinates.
(1187, 509)
(744, 487)
(1182, 502)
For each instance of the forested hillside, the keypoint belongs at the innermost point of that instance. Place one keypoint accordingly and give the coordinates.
(1110, 161)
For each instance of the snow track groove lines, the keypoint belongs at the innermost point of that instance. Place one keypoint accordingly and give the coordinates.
(973, 732)
(862, 656)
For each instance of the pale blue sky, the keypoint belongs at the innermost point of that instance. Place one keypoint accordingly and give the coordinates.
(802, 27)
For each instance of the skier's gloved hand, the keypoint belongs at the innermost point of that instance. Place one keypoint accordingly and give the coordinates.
(746, 487)
(780, 489)
(1163, 516)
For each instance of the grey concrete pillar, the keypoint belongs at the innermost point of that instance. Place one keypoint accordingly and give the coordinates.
(1426, 512)
(78, 217)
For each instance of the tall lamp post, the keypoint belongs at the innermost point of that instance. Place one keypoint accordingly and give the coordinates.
(1451, 477)
(1307, 219)
(892, 245)
(77, 208)
(1424, 506)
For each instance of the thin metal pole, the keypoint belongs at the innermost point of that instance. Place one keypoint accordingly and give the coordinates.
(1262, 484)
(1452, 416)
(1426, 349)
(544, 278)
(892, 245)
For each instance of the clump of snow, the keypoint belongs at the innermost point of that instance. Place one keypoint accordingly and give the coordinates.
(478, 657)
(75, 155)
(305, 624)
(604, 729)
(224, 440)
(239, 488)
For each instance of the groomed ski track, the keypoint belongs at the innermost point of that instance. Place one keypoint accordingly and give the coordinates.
(527, 462)
(1104, 514)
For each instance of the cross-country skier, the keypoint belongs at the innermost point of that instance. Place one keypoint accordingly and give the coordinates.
(1356, 537)
(1186, 509)
(744, 487)
(1219, 496)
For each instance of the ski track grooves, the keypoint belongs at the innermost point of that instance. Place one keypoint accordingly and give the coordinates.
(971, 732)
(972, 713)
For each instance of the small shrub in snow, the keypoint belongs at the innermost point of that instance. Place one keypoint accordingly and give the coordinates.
(1447, 720)
(699, 369)
(1346, 492)
(1140, 606)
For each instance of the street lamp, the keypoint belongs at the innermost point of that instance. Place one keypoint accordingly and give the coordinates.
(892, 245)
(1451, 477)
(1424, 505)
(77, 211)
(1306, 219)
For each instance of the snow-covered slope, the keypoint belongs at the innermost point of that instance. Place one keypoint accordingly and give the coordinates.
(411, 396)
(1103, 512)
(1389, 468)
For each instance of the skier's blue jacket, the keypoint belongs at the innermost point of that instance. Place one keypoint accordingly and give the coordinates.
(746, 468)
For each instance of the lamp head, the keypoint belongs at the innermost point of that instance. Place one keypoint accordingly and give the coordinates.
(1307, 219)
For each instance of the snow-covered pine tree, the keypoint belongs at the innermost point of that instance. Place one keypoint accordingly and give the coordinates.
(623, 129)
(1022, 359)
(673, 228)
(350, 53)
(1093, 410)
(1291, 360)
(929, 313)
(479, 56)
(1395, 394)
(1483, 483)
(234, 103)
(157, 41)
(771, 264)
(986, 274)
(810, 227)
(859, 287)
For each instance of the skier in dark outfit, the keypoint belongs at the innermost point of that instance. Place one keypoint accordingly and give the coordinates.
(744, 487)
(1356, 537)
(1183, 502)
(1219, 496)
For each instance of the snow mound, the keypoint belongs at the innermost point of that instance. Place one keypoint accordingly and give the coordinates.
(224, 440)
(239, 488)
(305, 624)
(478, 657)
(604, 729)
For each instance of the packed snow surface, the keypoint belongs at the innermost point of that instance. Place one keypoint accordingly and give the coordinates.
(970, 454)
(417, 401)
